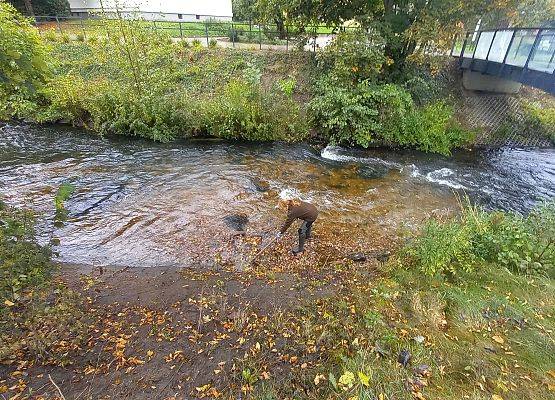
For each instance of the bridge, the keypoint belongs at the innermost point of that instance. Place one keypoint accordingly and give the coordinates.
(500, 60)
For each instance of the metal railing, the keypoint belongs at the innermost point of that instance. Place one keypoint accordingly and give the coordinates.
(311, 37)
(527, 48)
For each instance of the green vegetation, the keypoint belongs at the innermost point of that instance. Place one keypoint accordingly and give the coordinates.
(355, 105)
(63, 194)
(24, 264)
(38, 316)
(42, 7)
(23, 68)
(475, 323)
(524, 245)
(540, 119)
(124, 80)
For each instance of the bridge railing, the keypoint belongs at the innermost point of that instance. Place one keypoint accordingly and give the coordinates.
(529, 48)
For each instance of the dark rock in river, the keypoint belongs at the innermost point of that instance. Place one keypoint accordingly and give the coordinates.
(260, 185)
(236, 222)
(358, 257)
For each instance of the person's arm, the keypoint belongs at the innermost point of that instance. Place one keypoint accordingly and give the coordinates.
(288, 222)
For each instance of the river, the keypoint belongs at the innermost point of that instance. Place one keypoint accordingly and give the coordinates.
(139, 203)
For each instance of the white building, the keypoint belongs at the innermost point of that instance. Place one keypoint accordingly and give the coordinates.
(170, 10)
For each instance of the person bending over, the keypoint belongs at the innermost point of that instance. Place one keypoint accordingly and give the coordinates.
(304, 211)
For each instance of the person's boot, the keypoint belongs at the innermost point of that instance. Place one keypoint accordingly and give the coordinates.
(300, 248)
(308, 233)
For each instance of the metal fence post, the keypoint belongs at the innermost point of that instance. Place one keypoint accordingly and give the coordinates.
(58, 24)
(82, 26)
(259, 37)
(180, 30)
(233, 34)
(206, 32)
(314, 44)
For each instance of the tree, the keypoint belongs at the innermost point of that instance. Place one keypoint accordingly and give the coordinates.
(245, 10)
(42, 7)
(29, 7)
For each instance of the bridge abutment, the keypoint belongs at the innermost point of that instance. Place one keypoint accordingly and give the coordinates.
(473, 80)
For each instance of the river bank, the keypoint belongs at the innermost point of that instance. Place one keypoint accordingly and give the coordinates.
(315, 326)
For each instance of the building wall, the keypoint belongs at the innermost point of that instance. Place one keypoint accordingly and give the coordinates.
(159, 9)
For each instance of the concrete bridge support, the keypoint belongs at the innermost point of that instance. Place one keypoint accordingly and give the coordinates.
(473, 80)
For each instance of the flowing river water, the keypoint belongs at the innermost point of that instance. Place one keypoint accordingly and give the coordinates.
(139, 203)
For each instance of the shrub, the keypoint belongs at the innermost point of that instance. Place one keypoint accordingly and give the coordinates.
(233, 34)
(433, 128)
(213, 43)
(521, 244)
(369, 112)
(242, 111)
(23, 68)
(23, 263)
(287, 86)
(540, 119)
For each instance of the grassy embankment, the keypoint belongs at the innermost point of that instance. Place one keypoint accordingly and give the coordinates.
(126, 79)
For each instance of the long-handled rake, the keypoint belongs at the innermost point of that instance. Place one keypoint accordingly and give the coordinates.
(249, 263)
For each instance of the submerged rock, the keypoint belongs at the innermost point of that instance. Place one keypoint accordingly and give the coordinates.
(260, 185)
(236, 222)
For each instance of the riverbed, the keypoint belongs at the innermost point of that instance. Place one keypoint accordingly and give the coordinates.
(139, 203)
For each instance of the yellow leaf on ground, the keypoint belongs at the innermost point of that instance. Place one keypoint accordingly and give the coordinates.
(498, 339)
(9, 303)
(551, 372)
(496, 397)
(364, 379)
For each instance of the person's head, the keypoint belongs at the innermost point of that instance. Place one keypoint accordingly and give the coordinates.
(286, 204)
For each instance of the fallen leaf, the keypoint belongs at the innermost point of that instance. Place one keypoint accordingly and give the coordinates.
(9, 303)
(496, 397)
(498, 339)
(364, 379)
(318, 379)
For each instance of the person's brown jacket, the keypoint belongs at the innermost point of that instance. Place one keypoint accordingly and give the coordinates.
(304, 211)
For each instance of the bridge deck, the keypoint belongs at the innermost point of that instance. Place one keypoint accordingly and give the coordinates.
(525, 55)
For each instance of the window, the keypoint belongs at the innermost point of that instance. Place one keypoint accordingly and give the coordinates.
(180, 16)
(197, 16)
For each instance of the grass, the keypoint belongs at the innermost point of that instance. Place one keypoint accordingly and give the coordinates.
(485, 334)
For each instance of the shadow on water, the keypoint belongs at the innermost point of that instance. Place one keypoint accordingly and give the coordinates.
(143, 203)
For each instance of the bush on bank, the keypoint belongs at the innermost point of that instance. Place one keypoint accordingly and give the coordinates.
(521, 244)
(126, 79)
(23, 67)
(355, 105)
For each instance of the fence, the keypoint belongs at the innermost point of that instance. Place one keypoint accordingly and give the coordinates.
(310, 37)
